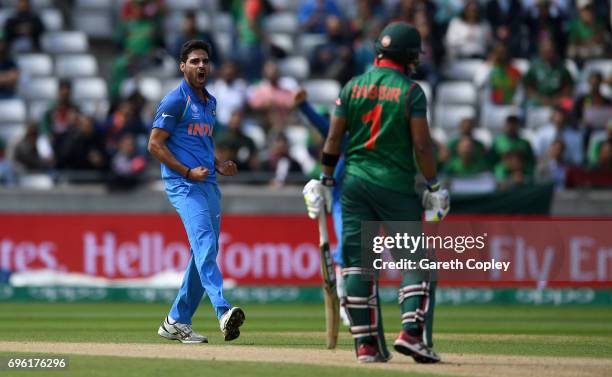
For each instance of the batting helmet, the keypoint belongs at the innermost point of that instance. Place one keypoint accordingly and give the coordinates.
(401, 42)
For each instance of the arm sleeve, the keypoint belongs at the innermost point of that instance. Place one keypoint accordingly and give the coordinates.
(168, 114)
(342, 101)
(319, 122)
(416, 102)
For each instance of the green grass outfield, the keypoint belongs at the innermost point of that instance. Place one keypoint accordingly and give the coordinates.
(489, 330)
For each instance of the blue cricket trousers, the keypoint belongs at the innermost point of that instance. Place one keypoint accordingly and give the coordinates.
(199, 206)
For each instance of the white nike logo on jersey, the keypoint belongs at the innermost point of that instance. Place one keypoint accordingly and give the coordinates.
(164, 115)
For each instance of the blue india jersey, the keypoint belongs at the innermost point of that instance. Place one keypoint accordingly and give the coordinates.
(190, 123)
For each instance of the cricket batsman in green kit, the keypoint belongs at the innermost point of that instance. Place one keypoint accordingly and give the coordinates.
(384, 113)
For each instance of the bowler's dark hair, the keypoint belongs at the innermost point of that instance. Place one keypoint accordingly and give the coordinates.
(193, 45)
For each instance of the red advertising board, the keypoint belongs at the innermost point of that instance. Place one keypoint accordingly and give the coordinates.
(254, 250)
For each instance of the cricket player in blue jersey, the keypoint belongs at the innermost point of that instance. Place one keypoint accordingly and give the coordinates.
(181, 139)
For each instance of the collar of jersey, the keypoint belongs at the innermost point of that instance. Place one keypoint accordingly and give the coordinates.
(386, 63)
(191, 95)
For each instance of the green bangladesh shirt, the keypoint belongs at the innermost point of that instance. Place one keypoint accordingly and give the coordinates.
(504, 144)
(456, 167)
(547, 79)
(504, 80)
(581, 32)
(377, 106)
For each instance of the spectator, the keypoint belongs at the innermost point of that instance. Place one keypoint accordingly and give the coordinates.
(604, 157)
(594, 98)
(545, 26)
(7, 174)
(151, 9)
(127, 165)
(552, 166)
(61, 115)
(248, 16)
(597, 142)
(140, 40)
(505, 18)
(560, 128)
(312, 15)
(82, 148)
(27, 156)
(125, 118)
(273, 97)
(511, 142)
(504, 78)
(9, 73)
(365, 49)
(334, 58)
(511, 171)
(588, 37)
(466, 129)
(468, 161)
(189, 32)
(23, 29)
(547, 81)
(468, 36)
(241, 148)
(433, 50)
(279, 161)
(367, 15)
(407, 10)
(230, 91)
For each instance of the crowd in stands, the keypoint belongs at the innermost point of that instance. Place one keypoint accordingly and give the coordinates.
(537, 106)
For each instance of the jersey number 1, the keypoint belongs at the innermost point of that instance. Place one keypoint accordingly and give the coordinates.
(374, 117)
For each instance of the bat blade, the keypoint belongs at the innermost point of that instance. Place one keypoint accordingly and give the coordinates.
(332, 303)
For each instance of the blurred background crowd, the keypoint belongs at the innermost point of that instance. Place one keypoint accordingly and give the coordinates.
(519, 91)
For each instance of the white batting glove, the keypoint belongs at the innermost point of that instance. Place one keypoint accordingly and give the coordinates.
(436, 204)
(317, 198)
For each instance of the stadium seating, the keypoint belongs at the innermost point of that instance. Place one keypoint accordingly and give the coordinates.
(456, 93)
(483, 135)
(89, 89)
(449, 116)
(465, 69)
(52, 19)
(183, 5)
(94, 23)
(308, 42)
(322, 91)
(12, 111)
(43, 88)
(35, 64)
(285, 22)
(65, 42)
(11, 132)
(537, 116)
(493, 117)
(34, 4)
(149, 87)
(71, 66)
(296, 67)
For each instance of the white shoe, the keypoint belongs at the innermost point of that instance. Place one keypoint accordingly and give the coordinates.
(230, 323)
(180, 331)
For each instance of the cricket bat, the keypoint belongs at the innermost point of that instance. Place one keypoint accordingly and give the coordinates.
(332, 303)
